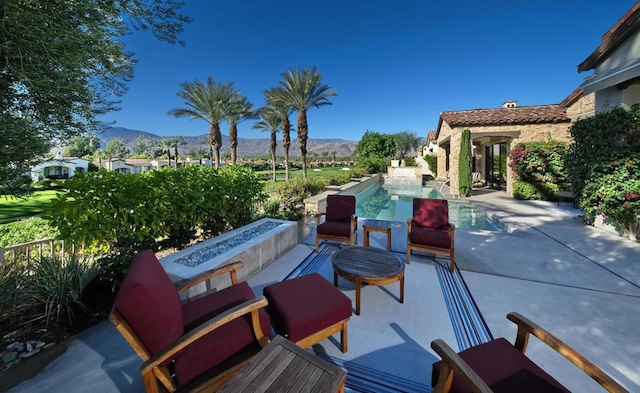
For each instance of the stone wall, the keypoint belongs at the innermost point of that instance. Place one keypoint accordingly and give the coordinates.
(405, 171)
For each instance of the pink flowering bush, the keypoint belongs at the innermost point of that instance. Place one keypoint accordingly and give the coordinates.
(539, 170)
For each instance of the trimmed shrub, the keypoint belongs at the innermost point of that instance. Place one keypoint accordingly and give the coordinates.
(294, 192)
(109, 211)
(409, 161)
(373, 164)
(538, 191)
(432, 162)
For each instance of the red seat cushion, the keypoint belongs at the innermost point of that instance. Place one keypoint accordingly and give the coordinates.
(431, 213)
(430, 237)
(222, 343)
(505, 369)
(340, 207)
(150, 303)
(335, 228)
(305, 305)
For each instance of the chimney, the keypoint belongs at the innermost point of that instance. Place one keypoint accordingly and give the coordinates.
(510, 104)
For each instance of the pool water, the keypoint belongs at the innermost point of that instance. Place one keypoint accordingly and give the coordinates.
(394, 202)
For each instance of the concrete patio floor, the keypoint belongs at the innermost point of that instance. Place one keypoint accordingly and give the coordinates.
(581, 283)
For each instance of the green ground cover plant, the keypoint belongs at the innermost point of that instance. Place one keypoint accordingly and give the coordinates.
(24, 231)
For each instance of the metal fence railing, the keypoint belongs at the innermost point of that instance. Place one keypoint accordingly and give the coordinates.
(36, 250)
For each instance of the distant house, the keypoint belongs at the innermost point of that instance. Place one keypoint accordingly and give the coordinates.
(59, 168)
(132, 165)
(616, 64)
(431, 145)
(495, 131)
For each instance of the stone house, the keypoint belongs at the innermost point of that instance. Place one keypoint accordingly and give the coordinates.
(616, 64)
(495, 131)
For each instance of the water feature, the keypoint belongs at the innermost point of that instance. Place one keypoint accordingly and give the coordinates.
(393, 201)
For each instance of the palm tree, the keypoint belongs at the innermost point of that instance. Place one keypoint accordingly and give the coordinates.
(166, 144)
(238, 110)
(303, 91)
(270, 121)
(177, 141)
(197, 153)
(206, 101)
(276, 98)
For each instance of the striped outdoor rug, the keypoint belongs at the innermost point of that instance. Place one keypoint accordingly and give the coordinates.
(468, 325)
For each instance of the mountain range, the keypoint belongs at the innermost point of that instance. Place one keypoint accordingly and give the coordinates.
(247, 147)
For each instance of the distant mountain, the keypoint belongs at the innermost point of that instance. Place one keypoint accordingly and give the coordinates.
(247, 147)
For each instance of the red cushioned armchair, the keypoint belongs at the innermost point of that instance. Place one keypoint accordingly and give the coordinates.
(497, 366)
(341, 222)
(202, 343)
(429, 229)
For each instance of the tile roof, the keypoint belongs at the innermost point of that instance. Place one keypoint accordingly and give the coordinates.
(501, 116)
(629, 22)
(432, 136)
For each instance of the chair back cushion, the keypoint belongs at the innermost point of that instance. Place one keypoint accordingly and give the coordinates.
(431, 213)
(150, 303)
(505, 369)
(340, 207)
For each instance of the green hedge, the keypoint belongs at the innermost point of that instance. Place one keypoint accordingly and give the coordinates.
(537, 191)
(109, 211)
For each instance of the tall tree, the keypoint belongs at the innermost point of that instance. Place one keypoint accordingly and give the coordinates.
(63, 64)
(303, 91)
(142, 145)
(405, 142)
(276, 97)
(82, 145)
(21, 143)
(464, 165)
(373, 143)
(239, 109)
(177, 141)
(270, 121)
(166, 144)
(206, 101)
(197, 153)
(116, 148)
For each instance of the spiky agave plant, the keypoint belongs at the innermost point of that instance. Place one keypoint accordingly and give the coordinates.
(58, 283)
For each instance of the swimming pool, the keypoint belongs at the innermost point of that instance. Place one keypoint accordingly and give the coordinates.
(394, 202)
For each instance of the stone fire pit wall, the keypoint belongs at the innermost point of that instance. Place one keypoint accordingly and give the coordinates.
(256, 245)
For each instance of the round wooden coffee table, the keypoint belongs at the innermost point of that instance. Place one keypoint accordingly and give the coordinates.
(366, 265)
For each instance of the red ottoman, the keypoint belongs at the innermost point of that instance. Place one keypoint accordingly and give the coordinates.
(308, 309)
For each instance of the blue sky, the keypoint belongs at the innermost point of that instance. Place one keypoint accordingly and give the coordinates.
(396, 64)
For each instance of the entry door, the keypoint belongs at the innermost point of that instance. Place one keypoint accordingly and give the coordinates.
(496, 164)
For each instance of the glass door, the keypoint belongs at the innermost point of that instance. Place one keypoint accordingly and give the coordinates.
(496, 164)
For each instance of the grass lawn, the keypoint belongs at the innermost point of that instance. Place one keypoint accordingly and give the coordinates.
(35, 204)
(293, 173)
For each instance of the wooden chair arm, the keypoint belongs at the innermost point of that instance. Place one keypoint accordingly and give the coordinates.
(452, 364)
(354, 222)
(250, 306)
(319, 218)
(527, 327)
(231, 268)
